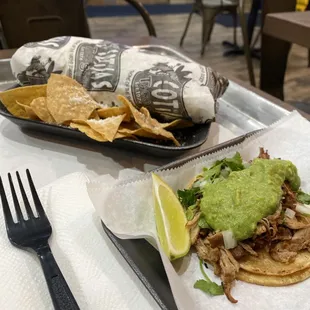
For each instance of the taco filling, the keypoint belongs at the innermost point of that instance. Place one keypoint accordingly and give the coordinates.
(249, 221)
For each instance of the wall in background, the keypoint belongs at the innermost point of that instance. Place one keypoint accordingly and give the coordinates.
(122, 2)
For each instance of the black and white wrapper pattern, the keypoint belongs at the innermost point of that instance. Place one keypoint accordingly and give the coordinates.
(167, 86)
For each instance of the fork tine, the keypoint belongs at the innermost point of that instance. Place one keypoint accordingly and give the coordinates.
(5, 206)
(26, 201)
(16, 203)
(35, 196)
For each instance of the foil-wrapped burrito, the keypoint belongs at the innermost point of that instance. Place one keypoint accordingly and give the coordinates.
(167, 86)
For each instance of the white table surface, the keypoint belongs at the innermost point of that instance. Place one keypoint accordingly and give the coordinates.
(50, 157)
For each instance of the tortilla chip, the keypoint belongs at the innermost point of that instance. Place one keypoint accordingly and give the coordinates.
(176, 124)
(140, 133)
(149, 124)
(130, 129)
(94, 115)
(264, 264)
(23, 95)
(84, 127)
(145, 111)
(122, 136)
(273, 280)
(107, 127)
(100, 130)
(29, 111)
(115, 111)
(68, 100)
(39, 107)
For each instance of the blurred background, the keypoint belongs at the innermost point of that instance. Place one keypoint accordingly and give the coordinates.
(210, 35)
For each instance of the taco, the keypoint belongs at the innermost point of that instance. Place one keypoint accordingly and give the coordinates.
(249, 221)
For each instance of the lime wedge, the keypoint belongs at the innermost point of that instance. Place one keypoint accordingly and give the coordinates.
(170, 220)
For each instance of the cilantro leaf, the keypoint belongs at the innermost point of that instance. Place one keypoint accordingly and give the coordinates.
(189, 213)
(202, 223)
(222, 168)
(212, 173)
(218, 162)
(234, 163)
(207, 285)
(225, 173)
(303, 197)
(187, 197)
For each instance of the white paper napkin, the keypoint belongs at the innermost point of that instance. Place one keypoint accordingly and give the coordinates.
(126, 208)
(96, 273)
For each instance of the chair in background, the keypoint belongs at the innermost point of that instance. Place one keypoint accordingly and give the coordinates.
(145, 15)
(2, 40)
(37, 20)
(208, 10)
(253, 16)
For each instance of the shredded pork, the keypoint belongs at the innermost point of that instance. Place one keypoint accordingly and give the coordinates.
(194, 221)
(216, 240)
(286, 251)
(229, 269)
(194, 233)
(238, 252)
(247, 247)
(297, 222)
(263, 154)
(206, 252)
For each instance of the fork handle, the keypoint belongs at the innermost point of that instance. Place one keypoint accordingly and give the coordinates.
(59, 290)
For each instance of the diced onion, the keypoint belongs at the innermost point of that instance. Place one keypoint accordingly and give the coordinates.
(197, 184)
(202, 184)
(246, 164)
(229, 240)
(290, 213)
(304, 209)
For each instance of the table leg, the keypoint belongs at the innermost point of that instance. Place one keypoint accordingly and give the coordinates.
(274, 52)
(234, 49)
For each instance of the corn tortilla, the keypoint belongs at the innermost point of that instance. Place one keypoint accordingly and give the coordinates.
(263, 264)
(266, 280)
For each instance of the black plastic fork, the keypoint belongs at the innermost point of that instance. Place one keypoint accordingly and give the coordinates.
(34, 233)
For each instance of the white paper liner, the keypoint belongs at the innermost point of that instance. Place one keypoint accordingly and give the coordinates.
(126, 207)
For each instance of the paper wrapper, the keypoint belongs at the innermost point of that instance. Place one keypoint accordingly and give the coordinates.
(166, 85)
(126, 208)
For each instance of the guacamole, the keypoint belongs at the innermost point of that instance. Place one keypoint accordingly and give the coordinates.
(241, 200)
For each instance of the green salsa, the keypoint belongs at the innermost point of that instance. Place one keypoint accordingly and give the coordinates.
(238, 202)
